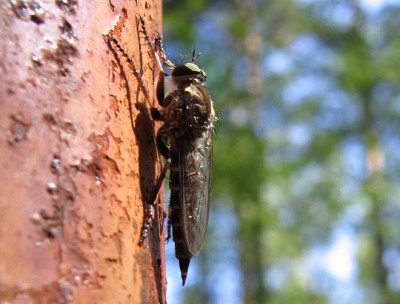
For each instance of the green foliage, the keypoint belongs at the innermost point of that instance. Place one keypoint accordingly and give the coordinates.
(235, 174)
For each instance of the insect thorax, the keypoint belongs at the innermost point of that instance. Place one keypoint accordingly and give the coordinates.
(189, 110)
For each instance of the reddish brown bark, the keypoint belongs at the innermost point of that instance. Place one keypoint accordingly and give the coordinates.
(78, 158)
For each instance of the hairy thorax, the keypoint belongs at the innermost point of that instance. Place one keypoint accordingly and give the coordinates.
(189, 111)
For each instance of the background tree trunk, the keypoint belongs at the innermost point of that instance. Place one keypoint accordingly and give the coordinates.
(78, 158)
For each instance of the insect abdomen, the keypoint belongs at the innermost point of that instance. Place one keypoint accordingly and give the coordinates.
(175, 205)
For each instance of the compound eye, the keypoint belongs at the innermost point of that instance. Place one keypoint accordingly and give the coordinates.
(188, 69)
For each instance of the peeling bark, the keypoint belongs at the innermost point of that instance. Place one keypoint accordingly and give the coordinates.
(78, 158)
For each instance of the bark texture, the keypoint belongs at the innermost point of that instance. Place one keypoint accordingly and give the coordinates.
(78, 158)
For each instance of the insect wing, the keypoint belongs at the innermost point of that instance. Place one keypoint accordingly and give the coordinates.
(195, 160)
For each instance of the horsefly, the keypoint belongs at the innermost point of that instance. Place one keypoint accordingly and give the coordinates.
(185, 141)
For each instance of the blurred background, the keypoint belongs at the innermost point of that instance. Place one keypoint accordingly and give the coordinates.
(306, 197)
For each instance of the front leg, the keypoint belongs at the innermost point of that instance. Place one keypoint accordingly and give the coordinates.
(156, 46)
(112, 40)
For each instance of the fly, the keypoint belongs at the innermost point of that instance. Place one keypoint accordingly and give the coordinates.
(185, 141)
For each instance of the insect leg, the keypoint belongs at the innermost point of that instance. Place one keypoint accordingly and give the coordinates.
(163, 147)
(149, 207)
(169, 225)
(112, 40)
(156, 46)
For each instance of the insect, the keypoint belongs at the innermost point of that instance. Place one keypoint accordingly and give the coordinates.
(185, 141)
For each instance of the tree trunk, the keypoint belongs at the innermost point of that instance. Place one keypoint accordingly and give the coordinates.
(78, 158)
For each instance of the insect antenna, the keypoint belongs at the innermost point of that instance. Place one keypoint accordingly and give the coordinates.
(194, 55)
